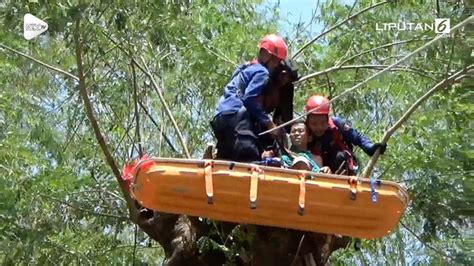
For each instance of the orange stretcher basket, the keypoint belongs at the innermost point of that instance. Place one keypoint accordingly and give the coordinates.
(262, 195)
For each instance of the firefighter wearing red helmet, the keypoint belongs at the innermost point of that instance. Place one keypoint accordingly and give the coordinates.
(240, 113)
(333, 138)
(275, 45)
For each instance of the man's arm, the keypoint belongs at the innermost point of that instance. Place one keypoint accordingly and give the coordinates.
(257, 83)
(351, 135)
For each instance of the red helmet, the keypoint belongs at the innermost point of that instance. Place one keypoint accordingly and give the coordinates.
(275, 45)
(317, 101)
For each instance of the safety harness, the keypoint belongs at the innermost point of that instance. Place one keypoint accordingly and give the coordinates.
(342, 146)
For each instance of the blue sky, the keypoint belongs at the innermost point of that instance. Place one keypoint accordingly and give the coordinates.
(296, 11)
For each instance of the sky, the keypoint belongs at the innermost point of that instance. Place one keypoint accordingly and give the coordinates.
(300, 11)
(296, 11)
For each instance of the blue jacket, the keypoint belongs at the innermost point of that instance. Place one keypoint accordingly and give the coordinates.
(246, 86)
(349, 135)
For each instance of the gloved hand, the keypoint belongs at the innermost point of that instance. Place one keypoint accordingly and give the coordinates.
(376, 146)
(291, 68)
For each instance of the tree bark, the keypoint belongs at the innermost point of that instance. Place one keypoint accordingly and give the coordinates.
(179, 236)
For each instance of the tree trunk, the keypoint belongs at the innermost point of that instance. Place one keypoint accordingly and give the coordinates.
(180, 235)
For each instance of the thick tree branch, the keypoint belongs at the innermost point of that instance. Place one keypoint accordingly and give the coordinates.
(40, 62)
(336, 26)
(95, 126)
(405, 58)
(441, 85)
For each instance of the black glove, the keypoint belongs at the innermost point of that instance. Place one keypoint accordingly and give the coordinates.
(376, 146)
(291, 68)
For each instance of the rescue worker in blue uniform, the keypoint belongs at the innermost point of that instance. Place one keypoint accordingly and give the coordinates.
(334, 138)
(241, 111)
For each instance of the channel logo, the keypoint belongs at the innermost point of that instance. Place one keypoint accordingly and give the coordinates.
(33, 26)
(442, 25)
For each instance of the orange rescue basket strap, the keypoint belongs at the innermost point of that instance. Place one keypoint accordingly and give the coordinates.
(302, 196)
(208, 181)
(254, 185)
(353, 180)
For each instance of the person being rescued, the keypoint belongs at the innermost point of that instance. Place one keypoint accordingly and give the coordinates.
(299, 157)
(241, 113)
(333, 138)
